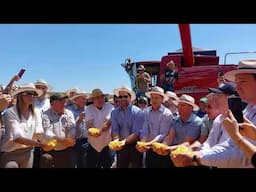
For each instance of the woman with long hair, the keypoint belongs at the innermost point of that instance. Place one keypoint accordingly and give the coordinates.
(23, 126)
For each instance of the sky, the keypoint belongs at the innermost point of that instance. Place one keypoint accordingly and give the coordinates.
(89, 56)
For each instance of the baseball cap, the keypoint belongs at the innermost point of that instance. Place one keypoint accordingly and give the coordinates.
(58, 96)
(227, 88)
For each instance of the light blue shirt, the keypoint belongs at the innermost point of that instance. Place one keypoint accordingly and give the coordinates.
(125, 123)
(156, 123)
(81, 130)
(217, 134)
(190, 128)
(42, 105)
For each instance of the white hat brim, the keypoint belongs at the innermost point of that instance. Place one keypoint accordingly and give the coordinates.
(79, 95)
(231, 74)
(133, 95)
(195, 107)
(49, 87)
(148, 94)
(38, 91)
(93, 96)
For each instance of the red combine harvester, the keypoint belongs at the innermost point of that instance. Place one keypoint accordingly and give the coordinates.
(197, 69)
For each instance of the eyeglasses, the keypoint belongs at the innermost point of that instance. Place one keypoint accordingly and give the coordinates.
(123, 96)
(29, 94)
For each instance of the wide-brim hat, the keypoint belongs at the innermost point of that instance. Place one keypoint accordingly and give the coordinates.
(188, 100)
(125, 89)
(27, 87)
(157, 90)
(171, 95)
(244, 66)
(80, 93)
(97, 93)
(43, 83)
(73, 90)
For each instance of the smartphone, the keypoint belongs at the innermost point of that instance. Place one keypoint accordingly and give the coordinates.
(22, 71)
(235, 105)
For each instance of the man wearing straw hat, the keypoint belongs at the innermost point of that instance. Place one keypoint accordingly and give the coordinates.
(43, 102)
(234, 152)
(126, 122)
(98, 116)
(79, 100)
(172, 102)
(155, 128)
(186, 127)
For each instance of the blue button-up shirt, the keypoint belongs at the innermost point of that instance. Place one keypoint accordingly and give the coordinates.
(125, 123)
(190, 128)
(156, 123)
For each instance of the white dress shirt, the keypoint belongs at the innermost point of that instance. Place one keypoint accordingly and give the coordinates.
(99, 116)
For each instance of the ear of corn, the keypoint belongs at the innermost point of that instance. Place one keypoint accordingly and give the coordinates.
(116, 144)
(94, 131)
(181, 149)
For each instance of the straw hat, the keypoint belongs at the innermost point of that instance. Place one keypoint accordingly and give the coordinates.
(188, 100)
(97, 93)
(157, 90)
(244, 66)
(27, 87)
(172, 95)
(127, 90)
(72, 90)
(43, 83)
(79, 93)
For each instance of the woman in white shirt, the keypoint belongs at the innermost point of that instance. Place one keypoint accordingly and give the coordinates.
(23, 129)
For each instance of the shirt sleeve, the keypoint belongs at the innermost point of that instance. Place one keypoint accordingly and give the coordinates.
(114, 122)
(47, 126)
(12, 123)
(138, 123)
(225, 155)
(69, 123)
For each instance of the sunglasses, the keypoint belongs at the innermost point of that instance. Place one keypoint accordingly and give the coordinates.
(123, 96)
(29, 94)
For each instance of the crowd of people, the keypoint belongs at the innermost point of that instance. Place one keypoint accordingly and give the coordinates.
(75, 129)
